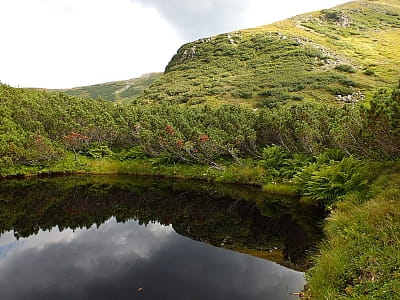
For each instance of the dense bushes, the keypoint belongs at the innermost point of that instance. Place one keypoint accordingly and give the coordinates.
(345, 68)
(37, 132)
(198, 134)
(382, 123)
(34, 124)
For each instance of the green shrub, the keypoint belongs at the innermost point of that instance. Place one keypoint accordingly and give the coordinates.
(331, 15)
(279, 164)
(244, 94)
(297, 97)
(345, 68)
(369, 72)
(340, 90)
(273, 160)
(328, 183)
(132, 153)
(330, 155)
(294, 164)
(99, 151)
(6, 162)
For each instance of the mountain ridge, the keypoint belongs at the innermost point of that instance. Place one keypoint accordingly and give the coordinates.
(322, 56)
(338, 55)
(120, 91)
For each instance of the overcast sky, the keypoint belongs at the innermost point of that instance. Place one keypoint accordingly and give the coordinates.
(68, 43)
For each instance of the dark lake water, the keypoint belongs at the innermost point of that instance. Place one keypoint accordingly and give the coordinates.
(122, 237)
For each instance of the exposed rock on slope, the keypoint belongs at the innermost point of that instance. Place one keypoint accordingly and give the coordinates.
(350, 49)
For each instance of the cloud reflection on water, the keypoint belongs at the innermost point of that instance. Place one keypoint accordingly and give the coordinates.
(116, 259)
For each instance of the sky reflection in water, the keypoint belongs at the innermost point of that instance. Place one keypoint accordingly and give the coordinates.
(132, 261)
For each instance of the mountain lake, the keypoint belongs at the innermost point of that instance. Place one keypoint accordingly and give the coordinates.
(126, 237)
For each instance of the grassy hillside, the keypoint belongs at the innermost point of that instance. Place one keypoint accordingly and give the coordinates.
(124, 91)
(348, 50)
(329, 154)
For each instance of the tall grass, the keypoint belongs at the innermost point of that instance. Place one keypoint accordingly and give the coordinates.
(361, 258)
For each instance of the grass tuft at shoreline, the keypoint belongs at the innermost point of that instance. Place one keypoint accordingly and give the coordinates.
(246, 173)
(361, 257)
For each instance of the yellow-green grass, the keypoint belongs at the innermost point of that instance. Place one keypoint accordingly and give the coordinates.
(124, 91)
(246, 67)
(227, 172)
(279, 189)
(370, 47)
(361, 257)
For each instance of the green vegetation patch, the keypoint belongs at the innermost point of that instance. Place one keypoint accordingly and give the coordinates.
(45, 126)
(361, 259)
(124, 91)
(267, 67)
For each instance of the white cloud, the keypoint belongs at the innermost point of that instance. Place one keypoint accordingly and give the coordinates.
(66, 43)
(81, 42)
(194, 19)
(261, 12)
(112, 234)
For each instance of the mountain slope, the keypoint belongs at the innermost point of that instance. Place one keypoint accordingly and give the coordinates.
(320, 56)
(119, 91)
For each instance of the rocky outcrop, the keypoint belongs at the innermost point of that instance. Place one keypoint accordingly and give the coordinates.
(336, 16)
(353, 98)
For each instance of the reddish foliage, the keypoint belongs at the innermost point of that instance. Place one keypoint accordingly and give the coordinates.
(73, 138)
(39, 139)
(203, 138)
(161, 140)
(179, 144)
(169, 130)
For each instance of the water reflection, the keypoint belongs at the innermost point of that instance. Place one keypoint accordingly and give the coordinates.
(60, 240)
(116, 260)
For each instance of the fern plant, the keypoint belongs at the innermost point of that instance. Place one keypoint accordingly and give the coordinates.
(326, 183)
